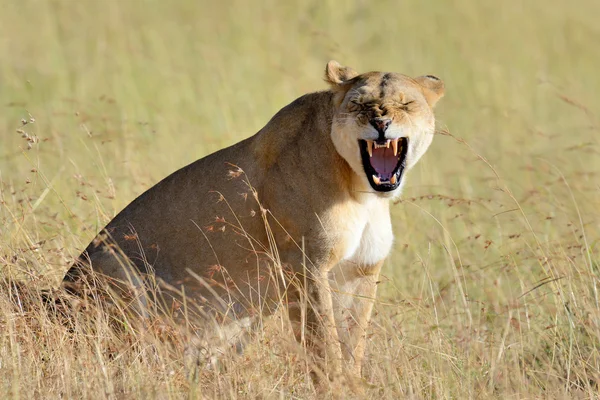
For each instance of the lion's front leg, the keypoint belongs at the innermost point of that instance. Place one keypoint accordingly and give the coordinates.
(312, 317)
(322, 335)
(353, 296)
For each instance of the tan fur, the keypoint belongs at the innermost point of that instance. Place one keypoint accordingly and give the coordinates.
(286, 215)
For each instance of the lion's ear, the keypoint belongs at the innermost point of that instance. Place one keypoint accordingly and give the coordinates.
(336, 74)
(433, 88)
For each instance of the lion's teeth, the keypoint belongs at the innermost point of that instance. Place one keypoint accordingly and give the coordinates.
(387, 144)
(395, 146)
(370, 148)
(393, 180)
(376, 180)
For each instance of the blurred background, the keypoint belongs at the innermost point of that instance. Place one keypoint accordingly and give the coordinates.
(498, 225)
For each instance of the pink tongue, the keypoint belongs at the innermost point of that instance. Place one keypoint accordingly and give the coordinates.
(384, 162)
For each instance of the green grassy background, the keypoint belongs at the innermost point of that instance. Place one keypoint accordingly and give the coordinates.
(491, 287)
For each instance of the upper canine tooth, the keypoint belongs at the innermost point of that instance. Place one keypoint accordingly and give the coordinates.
(376, 180)
(370, 147)
(395, 146)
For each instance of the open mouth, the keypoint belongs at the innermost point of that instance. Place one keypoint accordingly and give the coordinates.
(384, 162)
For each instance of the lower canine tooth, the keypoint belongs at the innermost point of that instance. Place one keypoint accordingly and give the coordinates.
(376, 180)
(393, 180)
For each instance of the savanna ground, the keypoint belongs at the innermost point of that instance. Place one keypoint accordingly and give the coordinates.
(492, 287)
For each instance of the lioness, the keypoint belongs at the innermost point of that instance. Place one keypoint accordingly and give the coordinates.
(298, 213)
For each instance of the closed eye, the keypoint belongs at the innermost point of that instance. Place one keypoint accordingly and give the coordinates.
(354, 106)
(405, 106)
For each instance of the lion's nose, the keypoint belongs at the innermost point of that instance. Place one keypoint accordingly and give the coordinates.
(381, 125)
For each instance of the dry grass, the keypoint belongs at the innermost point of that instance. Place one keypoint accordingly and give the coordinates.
(492, 286)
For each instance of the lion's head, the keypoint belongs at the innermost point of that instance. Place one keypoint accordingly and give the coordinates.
(384, 122)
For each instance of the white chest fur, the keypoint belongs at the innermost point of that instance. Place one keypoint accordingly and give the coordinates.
(366, 232)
